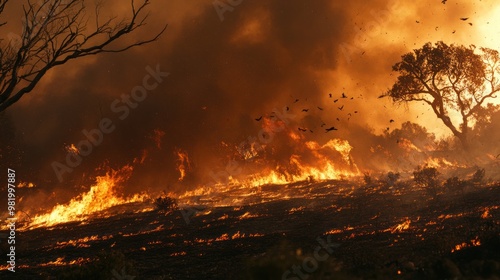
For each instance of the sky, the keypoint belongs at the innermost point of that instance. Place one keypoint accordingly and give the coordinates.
(229, 67)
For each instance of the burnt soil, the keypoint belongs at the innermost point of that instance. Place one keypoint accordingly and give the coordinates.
(262, 239)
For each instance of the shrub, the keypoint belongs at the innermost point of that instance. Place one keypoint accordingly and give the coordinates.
(427, 177)
(478, 176)
(392, 178)
(165, 204)
(454, 184)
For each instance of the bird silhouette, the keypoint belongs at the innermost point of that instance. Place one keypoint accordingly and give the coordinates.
(330, 129)
(323, 124)
(305, 110)
(330, 95)
(287, 108)
(470, 23)
(355, 112)
(259, 118)
(349, 114)
(343, 95)
(464, 18)
(341, 107)
(321, 109)
(391, 121)
(381, 96)
(302, 129)
(335, 101)
(417, 21)
(338, 119)
(296, 100)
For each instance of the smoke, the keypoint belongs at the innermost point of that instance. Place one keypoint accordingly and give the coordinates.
(260, 58)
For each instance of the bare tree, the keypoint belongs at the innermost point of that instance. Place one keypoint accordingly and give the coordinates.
(55, 32)
(452, 80)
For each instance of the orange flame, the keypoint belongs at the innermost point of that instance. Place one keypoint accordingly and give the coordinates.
(101, 196)
(183, 164)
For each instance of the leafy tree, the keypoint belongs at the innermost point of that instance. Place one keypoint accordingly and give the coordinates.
(452, 80)
(55, 32)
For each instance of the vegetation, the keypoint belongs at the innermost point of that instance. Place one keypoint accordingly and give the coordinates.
(452, 80)
(165, 204)
(427, 177)
(55, 32)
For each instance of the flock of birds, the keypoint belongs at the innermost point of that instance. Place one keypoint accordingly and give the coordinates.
(307, 109)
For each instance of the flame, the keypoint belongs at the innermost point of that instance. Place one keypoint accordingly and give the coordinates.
(486, 214)
(183, 164)
(26, 185)
(72, 149)
(157, 136)
(60, 262)
(401, 227)
(101, 196)
(474, 242)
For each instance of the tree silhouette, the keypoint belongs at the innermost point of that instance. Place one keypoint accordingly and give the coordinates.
(55, 32)
(454, 80)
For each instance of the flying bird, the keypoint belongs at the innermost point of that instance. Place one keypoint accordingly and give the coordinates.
(302, 129)
(259, 118)
(341, 107)
(391, 121)
(470, 23)
(338, 119)
(343, 95)
(287, 108)
(355, 112)
(330, 95)
(444, 1)
(381, 96)
(321, 109)
(323, 124)
(417, 21)
(464, 18)
(335, 101)
(305, 110)
(330, 129)
(296, 100)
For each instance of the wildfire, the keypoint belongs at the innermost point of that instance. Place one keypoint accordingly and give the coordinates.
(183, 164)
(101, 196)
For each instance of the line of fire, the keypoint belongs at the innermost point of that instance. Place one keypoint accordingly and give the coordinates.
(249, 139)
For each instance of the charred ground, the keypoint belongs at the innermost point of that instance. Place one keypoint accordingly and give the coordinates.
(395, 231)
